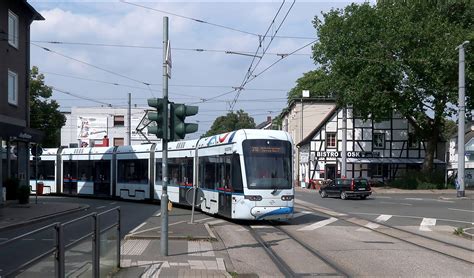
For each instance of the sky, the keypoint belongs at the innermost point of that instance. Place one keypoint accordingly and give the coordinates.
(95, 53)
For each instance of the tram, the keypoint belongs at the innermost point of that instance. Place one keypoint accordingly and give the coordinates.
(243, 174)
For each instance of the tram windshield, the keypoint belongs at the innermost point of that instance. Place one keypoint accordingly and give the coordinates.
(267, 164)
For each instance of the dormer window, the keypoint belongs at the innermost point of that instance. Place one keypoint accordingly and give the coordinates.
(12, 29)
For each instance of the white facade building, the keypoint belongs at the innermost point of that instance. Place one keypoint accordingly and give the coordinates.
(88, 126)
(381, 150)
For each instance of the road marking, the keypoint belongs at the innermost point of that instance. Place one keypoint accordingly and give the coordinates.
(368, 227)
(158, 214)
(203, 219)
(417, 217)
(101, 207)
(138, 227)
(466, 210)
(427, 224)
(383, 218)
(445, 201)
(394, 203)
(151, 271)
(113, 203)
(318, 224)
(382, 197)
(414, 199)
(215, 222)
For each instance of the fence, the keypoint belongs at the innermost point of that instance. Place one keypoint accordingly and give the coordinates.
(93, 254)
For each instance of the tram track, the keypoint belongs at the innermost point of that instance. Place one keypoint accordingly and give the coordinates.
(284, 238)
(449, 249)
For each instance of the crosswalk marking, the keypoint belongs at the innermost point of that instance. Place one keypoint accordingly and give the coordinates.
(383, 218)
(300, 214)
(427, 224)
(368, 227)
(318, 224)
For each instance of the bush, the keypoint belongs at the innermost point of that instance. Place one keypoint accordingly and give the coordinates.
(23, 194)
(11, 185)
(417, 180)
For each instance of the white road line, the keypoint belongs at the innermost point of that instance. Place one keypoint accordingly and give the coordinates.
(318, 224)
(416, 217)
(113, 203)
(394, 203)
(368, 227)
(136, 228)
(466, 210)
(382, 197)
(383, 218)
(444, 201)
(158, 214)
(204, 219)
(427, 224)
(414, 199)
(101, 207)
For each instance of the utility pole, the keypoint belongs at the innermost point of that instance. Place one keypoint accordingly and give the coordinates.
(304, 94)
(461, 121)
(129, 119)
(344, 143)
(164, 192)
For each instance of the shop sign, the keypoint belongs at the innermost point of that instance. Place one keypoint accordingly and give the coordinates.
(352, 154)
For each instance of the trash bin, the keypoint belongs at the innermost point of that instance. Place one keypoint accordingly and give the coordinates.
(39, 188)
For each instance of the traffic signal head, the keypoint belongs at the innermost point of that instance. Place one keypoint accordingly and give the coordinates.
(178, 127)
(158, 117)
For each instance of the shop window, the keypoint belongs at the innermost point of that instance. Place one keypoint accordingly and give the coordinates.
(331, 140)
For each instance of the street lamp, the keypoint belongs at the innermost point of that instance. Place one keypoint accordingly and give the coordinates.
(461, 120)
(304, 94)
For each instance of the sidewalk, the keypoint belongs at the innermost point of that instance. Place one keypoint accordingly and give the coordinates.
(193, 249)
(13, 214)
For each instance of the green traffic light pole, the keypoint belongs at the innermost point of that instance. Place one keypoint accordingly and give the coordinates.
(164, 192)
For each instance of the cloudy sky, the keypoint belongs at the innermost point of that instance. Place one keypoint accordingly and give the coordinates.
(96, 52)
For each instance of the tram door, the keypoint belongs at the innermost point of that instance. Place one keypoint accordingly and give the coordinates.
(102, 178)
(70, 177)
(225, 187)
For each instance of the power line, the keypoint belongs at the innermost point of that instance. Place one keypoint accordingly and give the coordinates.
(79, 96)
(91, 65)
(210, 23)
(156, 47)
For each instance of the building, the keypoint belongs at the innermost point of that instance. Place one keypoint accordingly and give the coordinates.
(452, 166)
(87, 126)
(16, 135)
(381, 150)
(266, 124)
(299, 120)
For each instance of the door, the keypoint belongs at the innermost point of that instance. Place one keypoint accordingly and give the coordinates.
(102, 178)
(331, 171)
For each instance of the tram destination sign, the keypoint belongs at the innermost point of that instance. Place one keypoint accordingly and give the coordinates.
(354, 154)
(267, 149)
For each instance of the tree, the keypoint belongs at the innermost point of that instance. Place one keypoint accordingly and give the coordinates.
(231, 121)
(397, 55)
(44, 112)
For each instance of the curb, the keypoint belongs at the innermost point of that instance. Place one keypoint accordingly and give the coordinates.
(188, 238)
(41, 218)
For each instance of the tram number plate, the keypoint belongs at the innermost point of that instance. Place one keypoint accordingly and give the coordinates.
(362, 188)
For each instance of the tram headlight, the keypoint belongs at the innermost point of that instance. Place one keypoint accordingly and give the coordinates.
(253, 197)
(287, 197)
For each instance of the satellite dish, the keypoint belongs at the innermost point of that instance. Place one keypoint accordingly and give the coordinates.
(199, 196)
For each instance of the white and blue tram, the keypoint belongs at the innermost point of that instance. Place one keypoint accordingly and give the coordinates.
(243, 174)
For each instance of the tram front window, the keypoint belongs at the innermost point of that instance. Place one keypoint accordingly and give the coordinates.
(267, 164)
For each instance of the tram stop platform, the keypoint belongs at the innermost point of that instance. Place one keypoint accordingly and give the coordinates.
(193, 248)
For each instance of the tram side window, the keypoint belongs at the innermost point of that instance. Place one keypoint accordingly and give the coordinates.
(45, 170)
(237, 174)
(86, 170)
(158, 171)
(207, 176)
(132, 171)
(180, 171)
(70, 169)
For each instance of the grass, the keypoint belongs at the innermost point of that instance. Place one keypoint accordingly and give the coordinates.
(458, 231)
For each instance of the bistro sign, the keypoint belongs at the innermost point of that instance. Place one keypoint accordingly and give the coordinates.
(355, 154)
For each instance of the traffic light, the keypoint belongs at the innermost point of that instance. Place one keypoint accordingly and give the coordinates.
(157, 116)
(178, 113)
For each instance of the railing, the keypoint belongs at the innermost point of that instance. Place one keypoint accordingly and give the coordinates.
(104, 252)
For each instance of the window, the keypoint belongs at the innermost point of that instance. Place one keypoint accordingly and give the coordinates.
(132, 171)
(12, 29)
(119, 120)
(118, 141)
(330, 140)
(412, 141)
(379, 140)
(12, 88)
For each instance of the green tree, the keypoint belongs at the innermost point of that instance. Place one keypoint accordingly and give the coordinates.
(44, 112)
(231, 121)
(396, 55)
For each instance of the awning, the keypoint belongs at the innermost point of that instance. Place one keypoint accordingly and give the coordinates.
(391, 160)
(20, 133)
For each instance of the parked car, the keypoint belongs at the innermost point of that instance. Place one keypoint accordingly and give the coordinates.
(344, 188)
